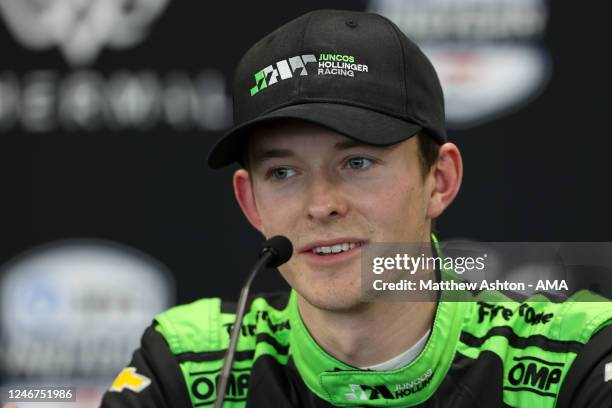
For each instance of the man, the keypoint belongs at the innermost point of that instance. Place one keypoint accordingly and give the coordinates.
(340, 132)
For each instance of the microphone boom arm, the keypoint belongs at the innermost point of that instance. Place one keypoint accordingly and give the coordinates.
(240, 310)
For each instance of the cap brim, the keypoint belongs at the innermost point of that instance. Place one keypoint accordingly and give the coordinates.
(356, 123)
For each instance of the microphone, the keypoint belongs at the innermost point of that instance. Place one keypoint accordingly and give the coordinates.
(281, 249)
(274, 252)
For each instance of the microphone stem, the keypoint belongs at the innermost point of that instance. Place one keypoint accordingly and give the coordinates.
(231, 350)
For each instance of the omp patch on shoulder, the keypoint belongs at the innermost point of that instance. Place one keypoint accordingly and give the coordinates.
(129, 379)
(608, 372)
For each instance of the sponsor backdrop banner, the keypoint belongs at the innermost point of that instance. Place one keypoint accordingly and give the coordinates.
(109, 107)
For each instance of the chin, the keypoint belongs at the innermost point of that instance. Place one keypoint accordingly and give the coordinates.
(338, 291)
(332, 298)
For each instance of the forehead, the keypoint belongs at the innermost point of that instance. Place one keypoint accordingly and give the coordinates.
(295, 138)
(289, 134)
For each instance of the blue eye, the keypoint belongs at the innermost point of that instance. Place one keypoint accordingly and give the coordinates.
(282, 173)
(359, 163)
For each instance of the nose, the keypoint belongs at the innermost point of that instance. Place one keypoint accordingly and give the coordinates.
(325, 200)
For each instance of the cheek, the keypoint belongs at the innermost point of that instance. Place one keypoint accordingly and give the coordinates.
(278, 211)
(393, 205)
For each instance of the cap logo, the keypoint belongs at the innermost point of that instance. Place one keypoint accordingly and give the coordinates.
(328, 64)
(284, 68)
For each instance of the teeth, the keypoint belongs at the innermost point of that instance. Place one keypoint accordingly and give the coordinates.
(335, 249)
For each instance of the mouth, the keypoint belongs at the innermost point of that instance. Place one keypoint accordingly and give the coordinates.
(326, 250)
(332, 251)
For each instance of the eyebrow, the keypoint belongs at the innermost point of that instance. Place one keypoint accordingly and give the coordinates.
(266, 154)
(263, 155)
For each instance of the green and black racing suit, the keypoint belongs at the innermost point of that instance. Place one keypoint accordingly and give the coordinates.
(479, 354)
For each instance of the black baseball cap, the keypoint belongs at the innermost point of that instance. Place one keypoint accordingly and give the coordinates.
(353, 72)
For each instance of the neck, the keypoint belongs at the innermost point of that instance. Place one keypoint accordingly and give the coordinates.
(370, 334)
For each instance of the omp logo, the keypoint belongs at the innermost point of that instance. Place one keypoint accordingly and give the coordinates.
(129, 379)
(534, 375)
(608, 372)
(204, 385)
(80, 28)
(284, 69)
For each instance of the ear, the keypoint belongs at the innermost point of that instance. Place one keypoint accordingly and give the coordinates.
(243, 190)
(447, 175)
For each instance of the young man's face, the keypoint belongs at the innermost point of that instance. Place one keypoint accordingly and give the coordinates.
(321, 189)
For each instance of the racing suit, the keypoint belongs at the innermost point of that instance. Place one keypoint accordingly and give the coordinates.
(535, 354)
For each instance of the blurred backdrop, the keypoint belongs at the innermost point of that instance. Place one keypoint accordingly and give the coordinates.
(108, 213)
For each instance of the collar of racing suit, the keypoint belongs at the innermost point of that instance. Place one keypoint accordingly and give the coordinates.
(344, 385)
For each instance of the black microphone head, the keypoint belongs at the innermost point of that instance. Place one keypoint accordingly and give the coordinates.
(281, 247)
